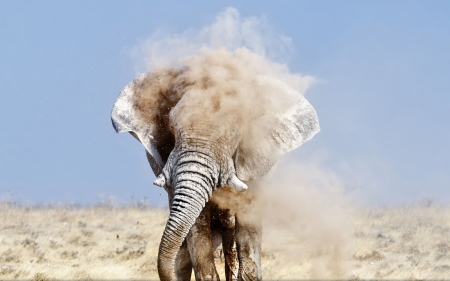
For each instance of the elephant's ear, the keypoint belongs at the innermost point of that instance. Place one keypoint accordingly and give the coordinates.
(142, 109)
(273, 134)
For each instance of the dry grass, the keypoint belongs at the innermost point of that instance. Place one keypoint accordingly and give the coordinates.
(411, 243)
(107, 242)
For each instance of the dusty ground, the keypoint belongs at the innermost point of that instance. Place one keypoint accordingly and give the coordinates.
(107, 242)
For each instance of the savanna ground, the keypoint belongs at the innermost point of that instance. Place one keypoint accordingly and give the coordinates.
(109, 242)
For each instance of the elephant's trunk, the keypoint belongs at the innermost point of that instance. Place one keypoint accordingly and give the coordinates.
(194, 179)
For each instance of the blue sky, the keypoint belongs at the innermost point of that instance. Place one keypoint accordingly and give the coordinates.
(383, 96)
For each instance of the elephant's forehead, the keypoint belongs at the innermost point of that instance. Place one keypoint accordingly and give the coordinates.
(261, 96)
(212, 136)
(205, 115)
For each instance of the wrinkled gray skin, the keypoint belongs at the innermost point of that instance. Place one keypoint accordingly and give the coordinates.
(196, 159)
(213, 226)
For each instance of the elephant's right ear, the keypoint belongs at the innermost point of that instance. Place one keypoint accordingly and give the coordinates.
(143, 108)
(272, 135)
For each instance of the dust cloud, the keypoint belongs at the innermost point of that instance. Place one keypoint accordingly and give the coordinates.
(230, 32)
(308, 223)
(306, 217)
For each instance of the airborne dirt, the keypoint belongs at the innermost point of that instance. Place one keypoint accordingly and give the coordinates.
(111, 243)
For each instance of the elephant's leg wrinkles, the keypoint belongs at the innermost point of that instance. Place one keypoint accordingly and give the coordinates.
(199, 241)
(230, 253)
(224, 222)
(248, 240)
(229, 248)
(183, 264)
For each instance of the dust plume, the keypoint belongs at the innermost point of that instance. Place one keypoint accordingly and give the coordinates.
(229, 31)
(216, 81)
(308, 224)
(307, 218)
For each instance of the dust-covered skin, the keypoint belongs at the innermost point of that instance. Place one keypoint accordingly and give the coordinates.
(196, 252)
(213, 225)
(230, 126)
(241, 240)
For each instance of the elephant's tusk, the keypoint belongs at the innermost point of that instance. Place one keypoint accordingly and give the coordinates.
(237, 184)
(160, 181)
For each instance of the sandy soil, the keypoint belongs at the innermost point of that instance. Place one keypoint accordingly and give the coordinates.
(107, 242)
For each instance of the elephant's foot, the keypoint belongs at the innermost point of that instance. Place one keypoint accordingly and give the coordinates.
(249, 270)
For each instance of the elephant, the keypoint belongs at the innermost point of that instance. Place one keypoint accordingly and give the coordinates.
(211, 129)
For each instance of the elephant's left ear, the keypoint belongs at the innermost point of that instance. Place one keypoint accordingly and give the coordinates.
(142, 109)
(272, 135)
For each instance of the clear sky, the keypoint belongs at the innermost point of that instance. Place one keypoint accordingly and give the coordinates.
(383, 96)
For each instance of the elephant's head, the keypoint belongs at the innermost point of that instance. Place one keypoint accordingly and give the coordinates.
(207, 126)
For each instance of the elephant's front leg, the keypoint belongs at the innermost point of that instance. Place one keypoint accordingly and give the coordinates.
(225, 223)
(248, 240)
(230, 253)
(183, 265)
(199, 242)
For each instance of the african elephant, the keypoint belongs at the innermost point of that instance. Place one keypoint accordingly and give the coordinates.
(211, 126)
